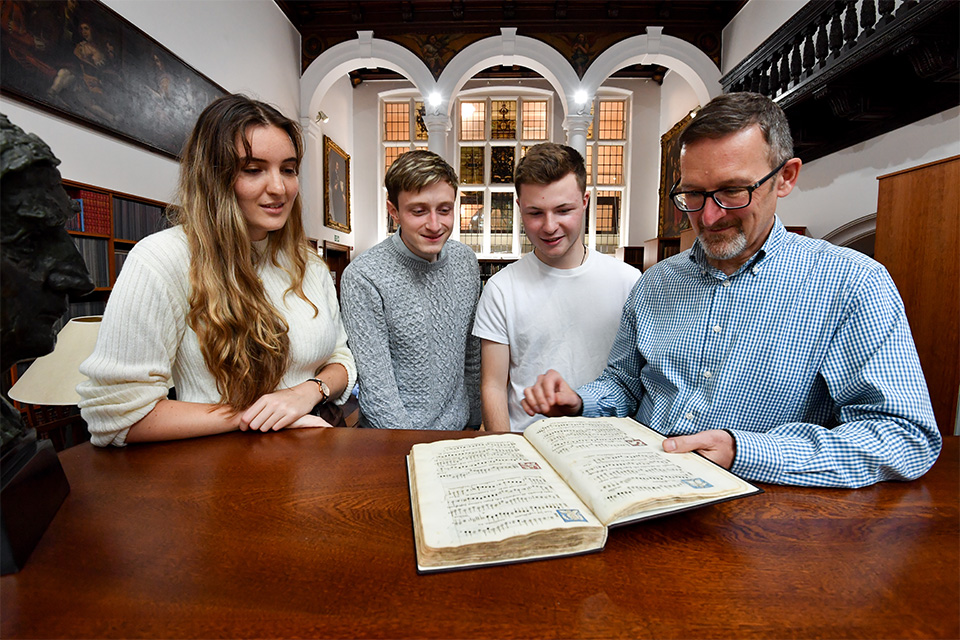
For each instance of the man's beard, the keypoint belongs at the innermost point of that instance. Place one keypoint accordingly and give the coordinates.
(725, 249)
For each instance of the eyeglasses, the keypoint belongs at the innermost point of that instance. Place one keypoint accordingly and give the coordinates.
(726, 198)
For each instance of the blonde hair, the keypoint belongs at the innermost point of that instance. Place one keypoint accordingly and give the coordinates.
(414, 170)
(242, 336)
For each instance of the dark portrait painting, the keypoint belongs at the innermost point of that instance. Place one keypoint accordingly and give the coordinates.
(672, 220)
(85, 63)
(336, 186)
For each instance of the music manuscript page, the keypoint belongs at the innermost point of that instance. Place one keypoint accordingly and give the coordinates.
(493, 498)
(619, 468)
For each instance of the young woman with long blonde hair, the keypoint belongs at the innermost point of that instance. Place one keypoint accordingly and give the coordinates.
(229, 306)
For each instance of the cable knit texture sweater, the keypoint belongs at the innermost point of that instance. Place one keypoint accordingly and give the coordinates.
(410, 324)
(145, 345)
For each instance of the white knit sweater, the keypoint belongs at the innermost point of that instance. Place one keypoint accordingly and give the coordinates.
(145, 345)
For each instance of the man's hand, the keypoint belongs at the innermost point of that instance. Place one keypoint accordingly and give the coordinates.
(551, 396)
(716, 444)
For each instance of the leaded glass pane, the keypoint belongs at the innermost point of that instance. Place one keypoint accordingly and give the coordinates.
(396, 121)
(471, 219)
(503, 120)
(390, 154)
(471, 165)
(610, 164)
(588, 159)
(472, 119)
(612, 124)
(608, 221)
(421, 126)
(501, 222)
(535, 120)
(525, 244)
(501, 165)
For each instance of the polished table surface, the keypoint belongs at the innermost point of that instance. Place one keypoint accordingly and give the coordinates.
(308, 534)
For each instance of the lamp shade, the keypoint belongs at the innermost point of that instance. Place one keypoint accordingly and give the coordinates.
(52, 379)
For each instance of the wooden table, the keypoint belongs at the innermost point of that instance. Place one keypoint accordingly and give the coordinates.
(308, 534)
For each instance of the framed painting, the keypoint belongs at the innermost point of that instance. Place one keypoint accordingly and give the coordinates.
(83, 62)
(336, 186)
(672, 221)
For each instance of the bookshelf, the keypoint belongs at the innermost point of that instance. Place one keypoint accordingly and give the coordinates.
(490, 266)
(105, 228)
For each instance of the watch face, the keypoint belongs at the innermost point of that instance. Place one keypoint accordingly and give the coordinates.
(325, 389)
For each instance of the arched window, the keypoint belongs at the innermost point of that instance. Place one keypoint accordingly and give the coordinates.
(492, 128)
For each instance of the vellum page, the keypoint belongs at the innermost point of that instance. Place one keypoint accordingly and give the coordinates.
(494, 489)
(620, 469)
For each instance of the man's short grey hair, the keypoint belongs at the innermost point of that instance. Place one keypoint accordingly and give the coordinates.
(732, 112)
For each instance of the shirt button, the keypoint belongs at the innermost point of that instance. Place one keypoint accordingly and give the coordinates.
(707, 373)
(688, 416)
(717, 329)
(726, 283)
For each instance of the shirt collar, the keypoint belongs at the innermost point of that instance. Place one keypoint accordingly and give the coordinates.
(772, 245)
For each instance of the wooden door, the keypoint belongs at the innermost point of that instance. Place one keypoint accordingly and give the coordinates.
(918, 241)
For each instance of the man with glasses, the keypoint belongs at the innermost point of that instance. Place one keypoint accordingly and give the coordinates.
(783, 358)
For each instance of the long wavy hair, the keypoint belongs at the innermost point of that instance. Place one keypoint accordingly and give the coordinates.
(242, 337)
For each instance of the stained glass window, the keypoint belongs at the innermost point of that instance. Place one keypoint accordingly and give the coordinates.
(501, 165)
(421, 129)
(471, 165)
(503, 119)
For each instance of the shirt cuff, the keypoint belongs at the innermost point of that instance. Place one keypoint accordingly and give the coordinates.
(591, 407)
(758, 456)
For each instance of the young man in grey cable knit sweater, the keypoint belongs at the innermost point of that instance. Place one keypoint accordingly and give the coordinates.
(408, 305)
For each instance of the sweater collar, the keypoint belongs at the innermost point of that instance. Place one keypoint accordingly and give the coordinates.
(405, 250)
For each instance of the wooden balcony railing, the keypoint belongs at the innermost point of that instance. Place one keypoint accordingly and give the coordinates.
(845, 71)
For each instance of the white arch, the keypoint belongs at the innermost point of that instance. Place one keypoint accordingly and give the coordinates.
(508, 49)
(691, 63)
(365, 51)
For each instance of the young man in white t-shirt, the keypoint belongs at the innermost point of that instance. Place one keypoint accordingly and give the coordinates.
(556, 308)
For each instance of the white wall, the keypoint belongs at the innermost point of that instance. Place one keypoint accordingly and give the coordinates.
(243, 45)
(677, 99)
(842, 187)
(338, 104)
(753, 24)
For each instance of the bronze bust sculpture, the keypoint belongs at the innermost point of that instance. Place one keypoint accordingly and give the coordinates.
(41, 266)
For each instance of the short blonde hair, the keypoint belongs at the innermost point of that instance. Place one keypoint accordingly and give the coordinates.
(415, 170)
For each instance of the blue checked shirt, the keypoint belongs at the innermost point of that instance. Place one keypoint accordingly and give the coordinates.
(804, 355)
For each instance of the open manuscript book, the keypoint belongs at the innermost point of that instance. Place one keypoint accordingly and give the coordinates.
(551, 491)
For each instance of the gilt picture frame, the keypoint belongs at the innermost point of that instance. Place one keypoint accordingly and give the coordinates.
(672, 221)
(336, 186)
(83, 62)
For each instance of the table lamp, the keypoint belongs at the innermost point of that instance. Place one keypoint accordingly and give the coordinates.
(52, 379)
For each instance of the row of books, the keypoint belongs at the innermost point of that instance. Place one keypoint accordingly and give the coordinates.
(94, 252)
(135, 220)
(93, 215)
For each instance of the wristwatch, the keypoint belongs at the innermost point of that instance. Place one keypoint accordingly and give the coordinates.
(324, 389)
